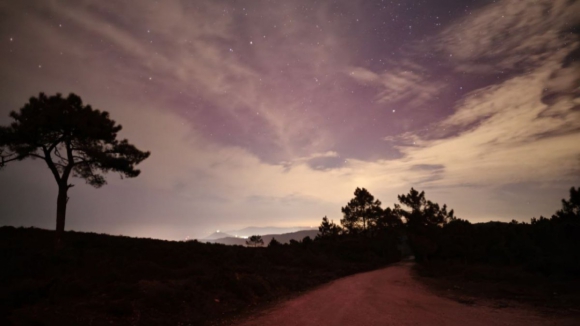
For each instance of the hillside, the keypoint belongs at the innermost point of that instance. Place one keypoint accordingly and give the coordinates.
(98, 279)
(262, 230)
(217, 235)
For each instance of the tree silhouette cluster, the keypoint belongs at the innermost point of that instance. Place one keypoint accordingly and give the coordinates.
(414, 218)
(363, 215)
(548, 245)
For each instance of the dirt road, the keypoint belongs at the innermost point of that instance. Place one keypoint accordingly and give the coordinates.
(390, 296)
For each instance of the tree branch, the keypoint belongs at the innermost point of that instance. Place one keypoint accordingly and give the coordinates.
(84, 162)
(57, 153)
(53, 146)
(3, 159)
(70, 162)
(51, 165)
(37, 156)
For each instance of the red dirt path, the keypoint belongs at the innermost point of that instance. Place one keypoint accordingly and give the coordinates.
(391, 296)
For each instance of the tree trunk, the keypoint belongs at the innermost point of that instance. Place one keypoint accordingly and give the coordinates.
(61, 213)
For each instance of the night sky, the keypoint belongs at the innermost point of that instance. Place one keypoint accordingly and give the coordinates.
(271, 113)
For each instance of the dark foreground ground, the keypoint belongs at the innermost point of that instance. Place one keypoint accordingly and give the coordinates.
(113, 280)
(502, 286)
(392, 296)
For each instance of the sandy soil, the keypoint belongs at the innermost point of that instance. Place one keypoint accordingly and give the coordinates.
(391, 296)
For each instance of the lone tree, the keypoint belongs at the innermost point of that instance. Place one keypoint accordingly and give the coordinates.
(255, 241)
(73, 139)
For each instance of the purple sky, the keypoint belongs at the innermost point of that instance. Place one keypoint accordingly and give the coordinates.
(271, 113)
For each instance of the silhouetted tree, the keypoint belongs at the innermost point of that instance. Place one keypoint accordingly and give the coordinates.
(388, 218)
(307, 240)
(72, 139)
(570, 208)
(255, 241)
(360, 212)
(328, 229)
(294, 242)
(424, 221)
(274, 243)
(423, 213)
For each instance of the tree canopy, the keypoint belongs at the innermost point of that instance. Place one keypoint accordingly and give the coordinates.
(274, 243)
(570, 208)
(73, 139)
(361, 211)
(328, 229)
(424, 213)
(255, 241)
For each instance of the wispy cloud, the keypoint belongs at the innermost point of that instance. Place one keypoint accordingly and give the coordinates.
(509, 35)
(410, 87)
(506, 142)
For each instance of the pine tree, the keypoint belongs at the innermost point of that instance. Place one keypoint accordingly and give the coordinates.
(361, 212)
(423, 213)
(274, 243)
(255, 241)
(327, 229)
(73, 139)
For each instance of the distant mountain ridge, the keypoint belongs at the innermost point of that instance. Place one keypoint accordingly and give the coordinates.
(282, 238)
(255, 230)
(217, 235)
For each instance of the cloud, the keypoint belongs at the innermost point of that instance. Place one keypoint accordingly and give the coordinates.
(409, 87)
(562, 89)
(204, 54)
(501, 130)
(427, 167)
(509, 35)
